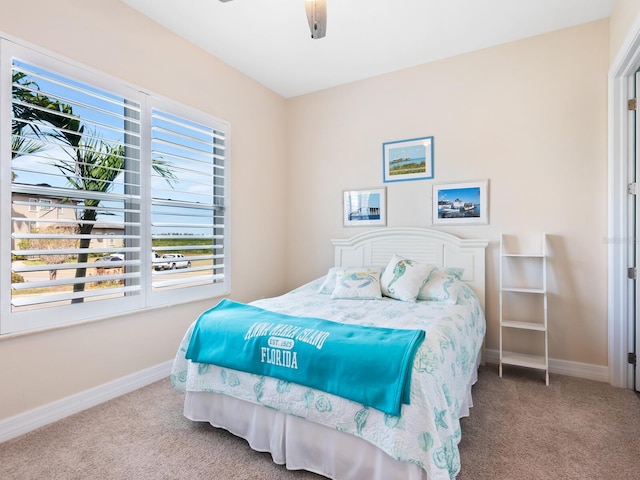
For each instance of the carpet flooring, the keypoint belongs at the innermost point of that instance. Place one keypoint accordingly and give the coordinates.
(518, 429)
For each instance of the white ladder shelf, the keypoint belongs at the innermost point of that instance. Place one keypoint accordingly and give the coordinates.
(509, 292)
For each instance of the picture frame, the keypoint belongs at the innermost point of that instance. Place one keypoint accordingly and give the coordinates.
(462, 203)
(362, 208)
(404, 160)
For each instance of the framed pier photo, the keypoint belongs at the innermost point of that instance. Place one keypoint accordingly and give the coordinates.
(364, 208)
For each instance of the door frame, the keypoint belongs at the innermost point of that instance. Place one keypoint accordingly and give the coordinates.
(621, 310)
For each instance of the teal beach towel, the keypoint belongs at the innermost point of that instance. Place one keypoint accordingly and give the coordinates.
(368, 365)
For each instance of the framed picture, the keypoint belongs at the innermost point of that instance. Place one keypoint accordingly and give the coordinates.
(407, 159)
(461, 203)
(364, 208)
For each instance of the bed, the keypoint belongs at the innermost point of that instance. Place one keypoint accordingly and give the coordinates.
(310, 429)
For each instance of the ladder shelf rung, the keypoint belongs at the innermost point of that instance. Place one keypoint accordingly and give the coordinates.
(523, 290)
(524, 325)
(522, 360)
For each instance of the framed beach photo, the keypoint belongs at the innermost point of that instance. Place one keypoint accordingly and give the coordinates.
(407, 160)
(364, 208)
(461, 203)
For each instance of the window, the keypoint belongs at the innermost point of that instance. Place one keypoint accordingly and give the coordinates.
(45, 205)
(187, 199)
(121, 178)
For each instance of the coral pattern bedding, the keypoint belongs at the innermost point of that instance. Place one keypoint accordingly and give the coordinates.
(427, 432)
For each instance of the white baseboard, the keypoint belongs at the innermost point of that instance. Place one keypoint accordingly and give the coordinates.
(588, 371)
(25, 422)
(39, 417)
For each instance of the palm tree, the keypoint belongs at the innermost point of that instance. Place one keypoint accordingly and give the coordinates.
(23, 115)
(92, 164)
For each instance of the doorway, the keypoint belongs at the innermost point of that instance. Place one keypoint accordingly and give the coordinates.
(624, 209)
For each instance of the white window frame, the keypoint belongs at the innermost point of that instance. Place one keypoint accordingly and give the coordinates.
(13, 322)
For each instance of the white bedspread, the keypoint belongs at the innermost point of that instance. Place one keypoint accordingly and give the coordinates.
(428, 431)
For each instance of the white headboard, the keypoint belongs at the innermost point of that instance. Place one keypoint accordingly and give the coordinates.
(376, 247)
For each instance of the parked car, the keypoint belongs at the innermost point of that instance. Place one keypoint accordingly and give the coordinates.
(171, 261)
(104, 262)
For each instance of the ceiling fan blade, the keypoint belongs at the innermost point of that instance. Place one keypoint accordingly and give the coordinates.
(317, 17)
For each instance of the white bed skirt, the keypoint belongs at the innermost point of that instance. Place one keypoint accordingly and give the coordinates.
(300, 444)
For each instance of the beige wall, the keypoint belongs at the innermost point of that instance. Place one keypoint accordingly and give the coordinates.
(531, 116)
(623, 18)
(107, 35)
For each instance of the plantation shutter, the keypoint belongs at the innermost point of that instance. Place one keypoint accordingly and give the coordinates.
(188, 190)
(99, 181)
(75, 191)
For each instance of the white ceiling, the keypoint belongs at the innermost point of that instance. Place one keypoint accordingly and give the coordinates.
(269, 40)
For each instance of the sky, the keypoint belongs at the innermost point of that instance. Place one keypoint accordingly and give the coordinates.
(364, 200)
(471, 194)
(417, 148)
(417, 151)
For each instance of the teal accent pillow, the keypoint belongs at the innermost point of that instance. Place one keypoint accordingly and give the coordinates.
(403, 277)
(442, 285)
(359, 283)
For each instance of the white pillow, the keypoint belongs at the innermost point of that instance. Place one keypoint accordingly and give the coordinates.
(402, 278)
(362, 283)
(329, 282)
(442, 285)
